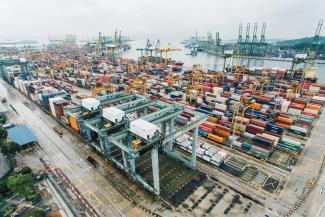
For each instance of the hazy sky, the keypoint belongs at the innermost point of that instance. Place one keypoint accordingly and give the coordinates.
(164, 19)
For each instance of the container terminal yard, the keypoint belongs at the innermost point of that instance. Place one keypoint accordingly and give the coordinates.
(151, 136)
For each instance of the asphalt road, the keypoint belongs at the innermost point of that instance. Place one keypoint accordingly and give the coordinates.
(4, 165)
(314, 205)
(59, 153)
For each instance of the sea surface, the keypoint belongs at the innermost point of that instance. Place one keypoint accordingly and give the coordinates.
(207, 61)
(212, 62)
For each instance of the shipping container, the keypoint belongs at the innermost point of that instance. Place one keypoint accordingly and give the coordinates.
(215, 138)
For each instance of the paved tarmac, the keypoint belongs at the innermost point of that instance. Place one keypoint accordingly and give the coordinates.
(61, 154)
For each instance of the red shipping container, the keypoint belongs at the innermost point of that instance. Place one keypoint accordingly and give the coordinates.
(273, 134)
(254, 129)
(297, 106)
(187, 116)
(222, 128)
(265, 138)
(250, 116)
(206, 129)
(317, 102)
(305, 122)
(208, 124)
(302, 101)
(262, 146)
(258, 122)
(309, 114)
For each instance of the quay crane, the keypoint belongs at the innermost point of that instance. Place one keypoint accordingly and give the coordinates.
(105, 85)
(167, 52)
(114, 133)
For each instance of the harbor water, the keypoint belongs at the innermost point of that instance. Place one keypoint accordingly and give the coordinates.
(212, 62)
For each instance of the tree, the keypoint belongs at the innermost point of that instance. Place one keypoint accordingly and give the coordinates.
(37, 213)
(3, 187)
(26, 170)
(21, 184)
(3, 133)
(10, 149)
(2, 119)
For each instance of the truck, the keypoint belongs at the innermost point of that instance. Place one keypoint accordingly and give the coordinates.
(58, 130)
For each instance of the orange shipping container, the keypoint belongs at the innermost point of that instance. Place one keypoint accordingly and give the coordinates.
(222, 133)
(285, 120)
(208, 124)
(74, 124)
(212, 119)
(286, 126)
(313, 107)
(225, 129)
(310, 93)
(257, 106)
(215, 138)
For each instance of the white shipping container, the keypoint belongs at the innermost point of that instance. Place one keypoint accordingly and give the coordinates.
(300, 129)
(209, 153)
(264, 110)
(237, 144)
(205, 146)
(311, 111)
(183, 148)
(221, 100)
(259, 150)
(183, 145)
(233, 137)
(285, 105)
(224, 118)
(291, 141)
(319, 98)
(199, 100)
(215, 163)
(218, 113)
(200, 151)
(217, 90)
(245, 120)
(220, 106)
(51, 102)
(213, 150)
(248, 135)
(206, 158)
(293, 111)
(223, 154)
(16, 83)
(217, 160)
(314, 88)
(265, 106)
(235, 97)
(276, 139)
(154, 91)
(32, 97)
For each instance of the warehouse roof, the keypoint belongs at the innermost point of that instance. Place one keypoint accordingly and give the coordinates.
(21, 134)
